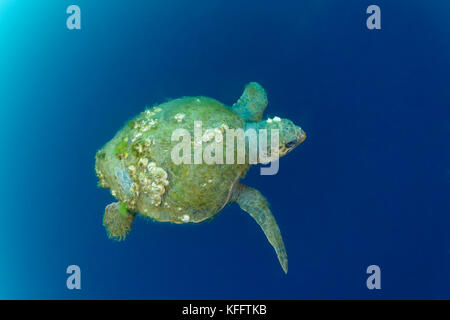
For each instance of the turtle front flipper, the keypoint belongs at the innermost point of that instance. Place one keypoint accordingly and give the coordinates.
(252, 103)
(253, 202)
(117, 221)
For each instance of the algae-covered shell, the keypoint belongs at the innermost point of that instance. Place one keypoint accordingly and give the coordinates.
(149, 181)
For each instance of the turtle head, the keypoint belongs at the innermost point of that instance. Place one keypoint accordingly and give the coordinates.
(290, 135)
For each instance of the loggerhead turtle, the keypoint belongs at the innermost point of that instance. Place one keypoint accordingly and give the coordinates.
(137, 165)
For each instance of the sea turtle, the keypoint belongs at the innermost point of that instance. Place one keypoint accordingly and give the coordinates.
(139, 168)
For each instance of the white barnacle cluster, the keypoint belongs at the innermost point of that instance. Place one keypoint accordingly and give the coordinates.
(152, 123)
(220, 131)
(208, 135)
(142, 126)
(215, 134)
(151, 180)
(274, 119)
(136, 136)
(142, 147)
(179, 117)
(149, 113)
(159, 182)
(142, 163)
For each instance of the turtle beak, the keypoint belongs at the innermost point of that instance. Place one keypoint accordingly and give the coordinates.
(301, 135)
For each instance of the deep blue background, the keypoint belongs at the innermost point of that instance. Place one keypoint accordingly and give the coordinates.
(370, 185)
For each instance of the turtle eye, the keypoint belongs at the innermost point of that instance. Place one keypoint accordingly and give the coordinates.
(291, 143)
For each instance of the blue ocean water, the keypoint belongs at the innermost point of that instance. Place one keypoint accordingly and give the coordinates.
(369, 186)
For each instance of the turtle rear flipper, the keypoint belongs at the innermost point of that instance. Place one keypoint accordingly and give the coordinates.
(252, 103)
(117, 221)
(252, 201)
